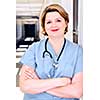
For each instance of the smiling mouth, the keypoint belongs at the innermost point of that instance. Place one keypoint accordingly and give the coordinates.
(53, 30)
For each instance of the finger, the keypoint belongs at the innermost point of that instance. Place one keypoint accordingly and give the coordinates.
(29, 75)
(29, 72)
(30, 69)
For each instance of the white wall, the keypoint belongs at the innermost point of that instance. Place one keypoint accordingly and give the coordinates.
(80, 23)
(68, 5)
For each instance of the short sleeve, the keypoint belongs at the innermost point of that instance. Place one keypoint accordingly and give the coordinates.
(29, 57)
(79, 61)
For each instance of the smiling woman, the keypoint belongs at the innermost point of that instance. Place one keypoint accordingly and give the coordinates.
(55, 24)
(52, 67)
(62, 15)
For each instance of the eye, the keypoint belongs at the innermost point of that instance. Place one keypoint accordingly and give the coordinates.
(48, 22)
(58, 20)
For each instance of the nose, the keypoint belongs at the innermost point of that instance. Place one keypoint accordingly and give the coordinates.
(53, 24)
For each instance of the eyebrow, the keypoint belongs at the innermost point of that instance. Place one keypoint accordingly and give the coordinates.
(55, 18)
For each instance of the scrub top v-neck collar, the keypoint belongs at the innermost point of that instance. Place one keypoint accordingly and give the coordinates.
(51, 50)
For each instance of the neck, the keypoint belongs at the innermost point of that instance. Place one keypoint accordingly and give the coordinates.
(56, 40)
(57, 44)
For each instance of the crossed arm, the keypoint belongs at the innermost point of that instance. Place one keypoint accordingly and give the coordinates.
(61, 87)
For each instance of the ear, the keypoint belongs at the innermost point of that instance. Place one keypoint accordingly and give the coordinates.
(66, 23)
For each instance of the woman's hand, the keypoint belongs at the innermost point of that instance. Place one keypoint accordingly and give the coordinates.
(30, 74)
(66, 80)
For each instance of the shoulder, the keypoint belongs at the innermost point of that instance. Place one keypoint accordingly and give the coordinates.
(73, 46)
(37, 44)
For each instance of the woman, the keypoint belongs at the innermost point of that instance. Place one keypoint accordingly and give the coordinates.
(52, 67)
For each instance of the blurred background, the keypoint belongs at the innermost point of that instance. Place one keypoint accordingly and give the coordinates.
(28, 29)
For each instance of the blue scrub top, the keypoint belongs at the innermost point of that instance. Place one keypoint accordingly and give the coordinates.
(70, 63)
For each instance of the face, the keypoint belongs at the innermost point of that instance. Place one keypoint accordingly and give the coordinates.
(55, 24)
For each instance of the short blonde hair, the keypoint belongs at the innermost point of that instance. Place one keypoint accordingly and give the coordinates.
(53, 8)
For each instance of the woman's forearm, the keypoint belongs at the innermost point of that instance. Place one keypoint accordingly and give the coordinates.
(30, 82)
(70, 91)
(38, 85)
(73, 90)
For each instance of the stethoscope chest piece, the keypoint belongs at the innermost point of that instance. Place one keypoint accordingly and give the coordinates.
(47, 53)
(55, 64)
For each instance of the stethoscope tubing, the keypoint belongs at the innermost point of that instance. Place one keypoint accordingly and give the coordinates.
(54, 64)
(46, 51)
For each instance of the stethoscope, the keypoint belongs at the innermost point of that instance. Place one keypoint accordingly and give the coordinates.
(46, 52)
